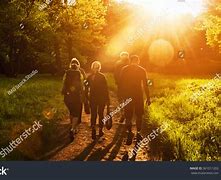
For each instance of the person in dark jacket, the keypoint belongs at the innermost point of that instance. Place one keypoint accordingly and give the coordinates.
(134, 89)
(98, 97)
(72, 91)
(122, 62)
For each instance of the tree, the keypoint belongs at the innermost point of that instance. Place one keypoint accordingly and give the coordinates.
(77, 29)
(210, 22)
(22, 27)
(38, 32)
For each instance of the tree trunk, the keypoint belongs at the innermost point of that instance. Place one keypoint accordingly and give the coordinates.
(10, 72)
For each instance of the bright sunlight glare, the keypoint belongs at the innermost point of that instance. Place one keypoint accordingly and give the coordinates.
(173, 7)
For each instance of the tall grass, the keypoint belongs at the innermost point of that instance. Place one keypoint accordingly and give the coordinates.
(194, 127)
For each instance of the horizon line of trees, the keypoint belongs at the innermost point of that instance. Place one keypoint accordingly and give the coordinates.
(47, 34)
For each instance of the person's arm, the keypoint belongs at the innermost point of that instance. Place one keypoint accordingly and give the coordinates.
(83, 73)
(146, 88)
(85, 80)
(107, 96)
(82, 89)
(87, 86)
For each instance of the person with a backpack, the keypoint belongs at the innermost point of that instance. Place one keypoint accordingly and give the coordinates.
(73, 93)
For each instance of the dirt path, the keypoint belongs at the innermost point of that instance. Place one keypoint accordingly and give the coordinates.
(112, 148)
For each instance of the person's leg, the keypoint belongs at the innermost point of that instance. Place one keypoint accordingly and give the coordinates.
(139, 111)
(80, 113)
(139, 127)
(69, 106)
(101, 117)
(74, 124)
(139, 122)
(75, 114)
(122, 118)
(120, 100)
(77, 111)
(129, 115)
(71, 121)
(67, 103)
(93, 115)
(93, 119)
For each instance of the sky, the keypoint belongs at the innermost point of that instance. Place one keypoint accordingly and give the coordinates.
(195, 7)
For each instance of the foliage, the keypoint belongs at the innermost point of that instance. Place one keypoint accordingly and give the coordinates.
(34, 33)
(23, 33)
(211, 23)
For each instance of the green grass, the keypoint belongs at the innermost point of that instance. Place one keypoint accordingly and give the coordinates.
(19, 110)
(29, 101)
(193, 132)
(194, 127)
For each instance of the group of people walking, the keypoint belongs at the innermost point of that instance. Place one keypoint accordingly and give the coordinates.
(92, 92)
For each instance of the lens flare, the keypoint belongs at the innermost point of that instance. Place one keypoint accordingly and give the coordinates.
(161, 52)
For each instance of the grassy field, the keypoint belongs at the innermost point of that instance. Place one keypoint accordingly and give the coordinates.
(194, 125)
(39, 99)
(191, 109)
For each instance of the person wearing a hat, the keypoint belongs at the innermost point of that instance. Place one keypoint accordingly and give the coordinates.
(73, 92)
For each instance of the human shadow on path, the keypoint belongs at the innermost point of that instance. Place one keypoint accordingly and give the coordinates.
(99, 154)
(83, 155)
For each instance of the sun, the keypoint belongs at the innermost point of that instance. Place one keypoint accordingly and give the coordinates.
(173, 7)
(158, 24)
